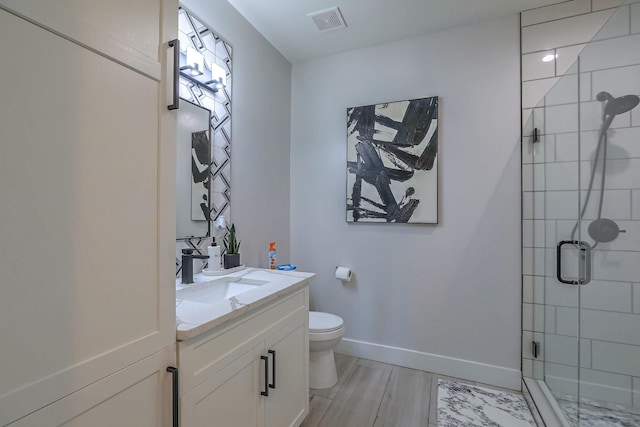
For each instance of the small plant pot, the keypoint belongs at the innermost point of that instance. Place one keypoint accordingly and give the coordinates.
(231, 260)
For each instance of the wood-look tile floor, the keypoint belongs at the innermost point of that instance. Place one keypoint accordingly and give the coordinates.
(374, 394)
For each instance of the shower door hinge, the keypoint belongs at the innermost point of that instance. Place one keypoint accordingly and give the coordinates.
(535, 136)
(535, 348)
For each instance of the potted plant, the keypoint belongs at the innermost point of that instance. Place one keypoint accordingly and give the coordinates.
(231, 249)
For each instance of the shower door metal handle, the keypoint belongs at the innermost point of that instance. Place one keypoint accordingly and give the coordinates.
(585, 252)
(175, 44)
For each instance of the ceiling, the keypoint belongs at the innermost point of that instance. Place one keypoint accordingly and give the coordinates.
(369, 22)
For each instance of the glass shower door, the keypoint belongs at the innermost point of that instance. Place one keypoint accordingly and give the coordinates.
(584, 179)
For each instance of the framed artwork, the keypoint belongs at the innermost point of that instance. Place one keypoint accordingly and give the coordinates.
(392, 162)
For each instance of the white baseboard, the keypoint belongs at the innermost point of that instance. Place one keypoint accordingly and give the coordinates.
(459, 368)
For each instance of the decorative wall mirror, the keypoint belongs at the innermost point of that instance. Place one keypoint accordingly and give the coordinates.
(193, 172)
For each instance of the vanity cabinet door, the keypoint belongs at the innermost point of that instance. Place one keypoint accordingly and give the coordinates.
(87, 212)
(230, 398)
(288, 402)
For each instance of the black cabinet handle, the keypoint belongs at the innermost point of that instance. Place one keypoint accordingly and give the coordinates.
(175, 44)
(273, 368)
(174, 374)
(585, 251)
(265, 359)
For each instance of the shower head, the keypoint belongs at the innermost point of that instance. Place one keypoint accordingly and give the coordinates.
(618, 105)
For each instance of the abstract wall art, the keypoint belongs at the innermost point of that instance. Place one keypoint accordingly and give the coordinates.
(392, 162)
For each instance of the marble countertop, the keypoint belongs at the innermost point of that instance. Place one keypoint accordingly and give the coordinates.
(194, 318)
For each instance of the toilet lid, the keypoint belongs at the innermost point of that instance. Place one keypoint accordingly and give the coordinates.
(324, 322)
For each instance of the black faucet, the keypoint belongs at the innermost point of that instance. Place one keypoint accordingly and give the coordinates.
(187, 265)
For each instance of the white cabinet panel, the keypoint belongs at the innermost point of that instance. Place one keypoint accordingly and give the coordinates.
(126, 31)
(85, 233)
(286, 405)
(230, 398)
(139, 395)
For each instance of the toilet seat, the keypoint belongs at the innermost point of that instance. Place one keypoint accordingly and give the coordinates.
(324, 322)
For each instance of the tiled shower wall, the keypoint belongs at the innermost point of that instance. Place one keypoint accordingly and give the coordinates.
(610, 314)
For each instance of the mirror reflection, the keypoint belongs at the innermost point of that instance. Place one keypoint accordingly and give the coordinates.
(193, 170)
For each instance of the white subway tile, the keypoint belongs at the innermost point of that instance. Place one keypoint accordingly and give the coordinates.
(538, 229)
(636, 298)
(635, 18)
(567, 56)
(527, 233)
(567, 147)
(617, 206)
(561, 118)
(550, 239)
(605, 4)
(622, 144)
(561, 350)
(562, 176)
(549, 319)
(527, 317)
(527, 289)
(539, 204)
(538, 289)
(617, 81)
(560, 294)
(636, 204)
(533, 67)
(614, 357)
(605, 387)
(609, 326)
(609, 296)
(563, 32)
(627, 241)
(533, 91)
(561, 379)
(538, 369)
(549, 144)
(567, 321)
(527, 368)
(591, 117)
(539, 261)
(527, 205)
(621, 174)
(527, 177)
(611, 53)
(539, 318)
(636, 392)
(566, 90)
(618, 25)
(539, 175)
(618, 266)
(556, 11)
(561, 204)
(635, 118)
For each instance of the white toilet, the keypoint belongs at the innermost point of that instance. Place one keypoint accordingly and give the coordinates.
(325, 332)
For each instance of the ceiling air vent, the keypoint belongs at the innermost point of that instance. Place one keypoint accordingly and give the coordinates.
(329, 19)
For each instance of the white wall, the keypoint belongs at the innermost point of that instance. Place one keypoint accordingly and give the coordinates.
(449, 290)
(261, 114)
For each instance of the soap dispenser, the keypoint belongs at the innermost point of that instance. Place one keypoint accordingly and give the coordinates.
(214, 256)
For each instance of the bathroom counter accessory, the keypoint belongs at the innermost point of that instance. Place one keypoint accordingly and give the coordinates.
(198, 309)
(223, 272)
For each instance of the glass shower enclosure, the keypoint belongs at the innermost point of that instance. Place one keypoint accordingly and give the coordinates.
(581, 232)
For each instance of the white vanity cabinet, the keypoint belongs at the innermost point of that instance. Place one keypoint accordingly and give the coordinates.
(225, 372)
(87, 212)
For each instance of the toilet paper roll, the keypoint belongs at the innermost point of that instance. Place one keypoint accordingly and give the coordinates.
(343, 273)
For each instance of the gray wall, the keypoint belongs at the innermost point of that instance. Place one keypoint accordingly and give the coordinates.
(450, 290)
(260, 135)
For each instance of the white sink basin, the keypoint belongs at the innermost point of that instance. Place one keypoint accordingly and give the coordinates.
(218, 289)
